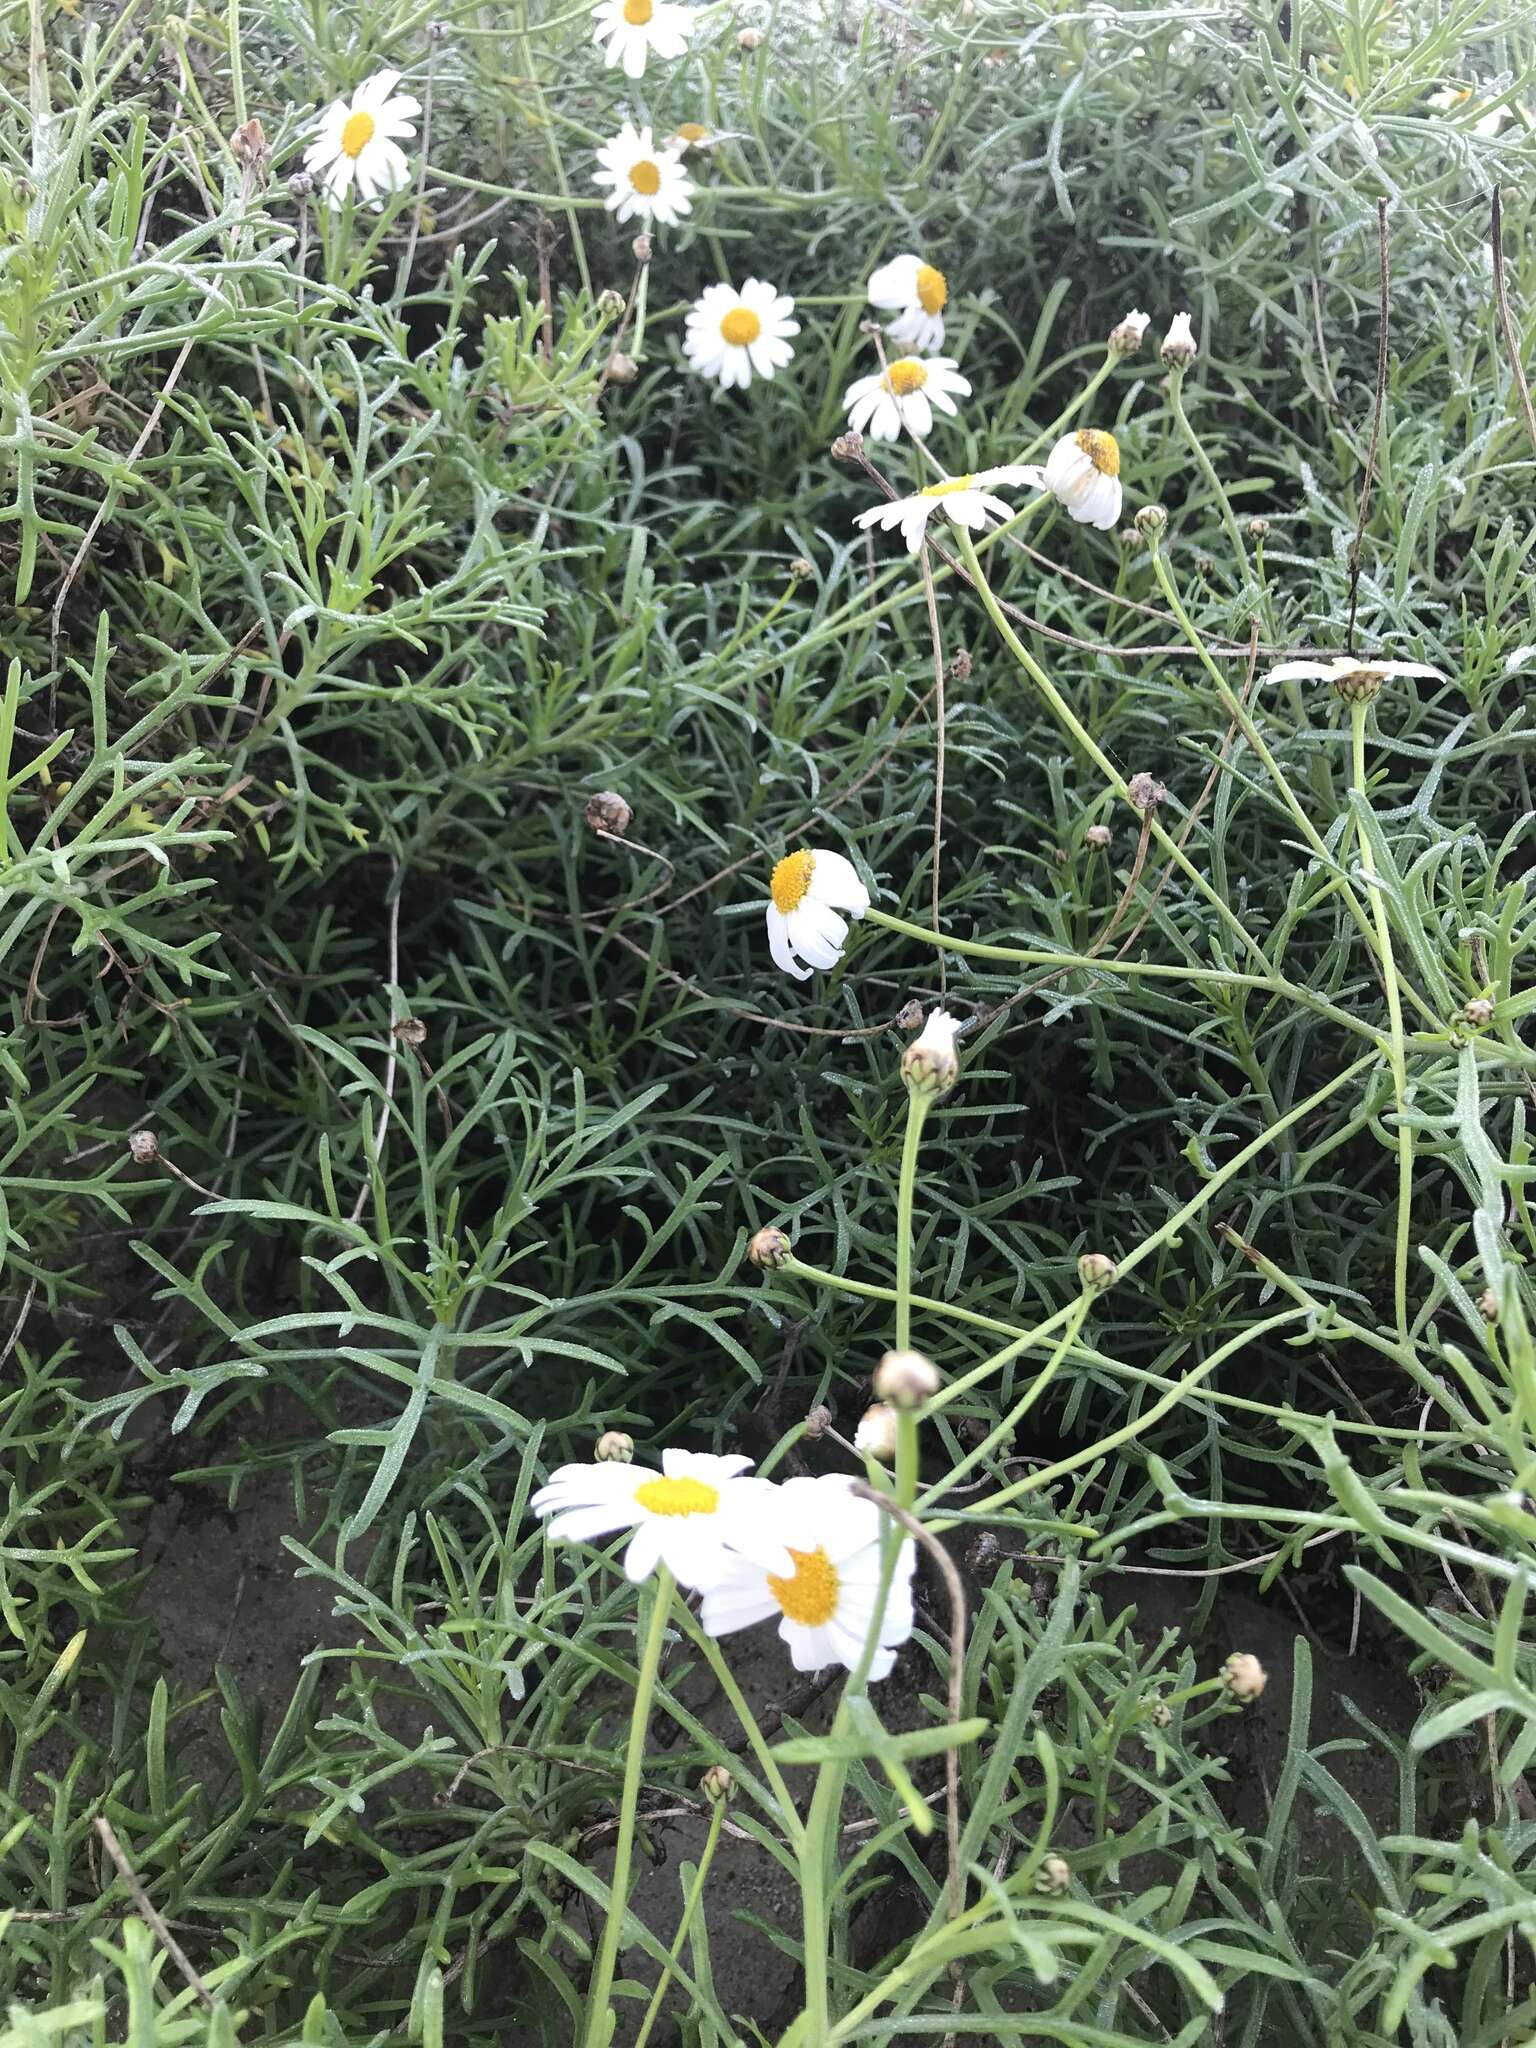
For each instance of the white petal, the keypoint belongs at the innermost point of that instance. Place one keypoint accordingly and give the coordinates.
(835, 880)
(780, 946)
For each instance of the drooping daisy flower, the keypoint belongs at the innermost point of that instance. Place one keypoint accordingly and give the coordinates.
(1083, 470)
(904, 394)
(917, 294)
(695, 135)
(1452, 97)
(826, 1605)
(358, 140)
(966, 500)
(632, 29)
(1179, 347)
(645, 181)
(1354, 679)
(807, 890)
(690, 1516)
(731, 334)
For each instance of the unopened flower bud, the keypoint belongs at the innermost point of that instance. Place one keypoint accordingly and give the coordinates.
(1258, 529)
(1146, 792)
(1205, 568)
(909, 1016)
(847, 448)
(717, 1784)
(930, 1065)
(608, 812)
(750, 39)
(610, 303)
(1479, 1012)
(1179, 348)
(437, 31)
(1488, 1305)
(801, 569)
(143, 1147)
(817, 1423)
(960, 666)
(641, 248)
(1054, 1876)
(1128, 538)
(905, 1379)
(1126, 336)
(1244, 1676)
(770, 1247)
(1097, 1272)
(1098, 835)
(1151, 522)
(614, 1448)
(1162, 1714)
(876, 1434)
(250, 149)
(622, 369)
(301, 185)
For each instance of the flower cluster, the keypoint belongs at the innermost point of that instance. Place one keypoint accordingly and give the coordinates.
(806, 1552)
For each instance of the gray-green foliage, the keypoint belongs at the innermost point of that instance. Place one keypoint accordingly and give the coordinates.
(296, 739)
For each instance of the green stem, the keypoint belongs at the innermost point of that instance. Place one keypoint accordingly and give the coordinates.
(1208, 471)
(598, 2030)
(236, 65)
(998, 1436)
(917, 1111)
(788, 1816)
(690, 1909)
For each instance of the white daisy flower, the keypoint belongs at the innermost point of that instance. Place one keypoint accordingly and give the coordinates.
(695, 135)
(807, 890)
(730, 334)
(826, 1605)
(966, 500)
(358, 140)
(1354, 679)
(689, 1516)
(646, 181)
(1083, 470)
(632, 29)
(904, 394)
(1486, 125)
(917, 294)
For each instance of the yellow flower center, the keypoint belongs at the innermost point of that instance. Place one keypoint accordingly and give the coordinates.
(950, 485)
(932, 289)
(646, 177)
(677, 1497)
(810, 1597)
(358, 133)
(691, 131)
(791, 880)
(638, 12)
(905, 376)
(740, 326)
(1101, 449)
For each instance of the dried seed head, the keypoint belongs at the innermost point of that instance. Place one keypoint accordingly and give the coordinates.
(250, 149)
(641, 248)
(983, 1552)
(614, 1448)
(909, 1016)
(409, 1031)
(1479, 1012)
(906, 1379)
(1151, 522)
(1146, 792)
(1098, 835)
(610, 303)
(717, 1784)
(1205, 568)
(1054, 1876)
(608, 812)
(301, 185)
(1097, 1272)
(622, 369)
(848, 447)
(770, 1247)
(960, 666)
(817, 1423)
(876, 1433)
(143, 1147)
(1244, 1676)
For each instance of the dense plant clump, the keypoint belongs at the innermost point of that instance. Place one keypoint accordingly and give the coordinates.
(766, 1190)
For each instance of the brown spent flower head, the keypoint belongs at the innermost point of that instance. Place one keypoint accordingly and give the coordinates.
(770, 1247)
(614, 1448)
(717, 1784)
(409, 1031)
(1479, 1012)
(622, 369)
(1146, 792)
(817, 1423)
(1244, 1676)
(437, 31)
(608, 812)
(143, 1147)
(909, 1016)
(251, 150)
(961, 666)
(983, 1551)
(847, 448)
(1097, 1272)
(1151, 522)
(1054, 1876)
(906, 1379)
(301, 185)
(875, 1436)
(1098, 835)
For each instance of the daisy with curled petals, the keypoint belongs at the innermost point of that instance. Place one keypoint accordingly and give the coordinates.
(826, 1606)
(1083, 471)
(807, 890)
(691, 1516)
(917, 293)
(631, 29)
(731, 335)
(358, 140)
(965, 500)
(904, 394)
(644, 181)
(1355, 680)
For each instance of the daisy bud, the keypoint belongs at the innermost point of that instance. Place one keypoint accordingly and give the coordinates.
(1146, 792)
(1128, 538)
(641, 248)
(717, 1784)
(1179, 349)
(1126, 337)
(801, 569)
(905, 1379)
(876, 1434)
(143, 1147)
(1162, 1714)
(437, 31)
(608, 812)
(1479, 1012)
(1151, 522)
(610, 303)
(770, 1248)
(1488, 1305)
(750, 39)
(1258, 529)
(1244, 1676)
(960, 666)
(300, 186)
(1054, 1876)
(622, 369)
(1098, 835)
(1097, 1272)
(847, 448)
(929, 1065)
(249, 148)
(615, 1448)
(817, 1423)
